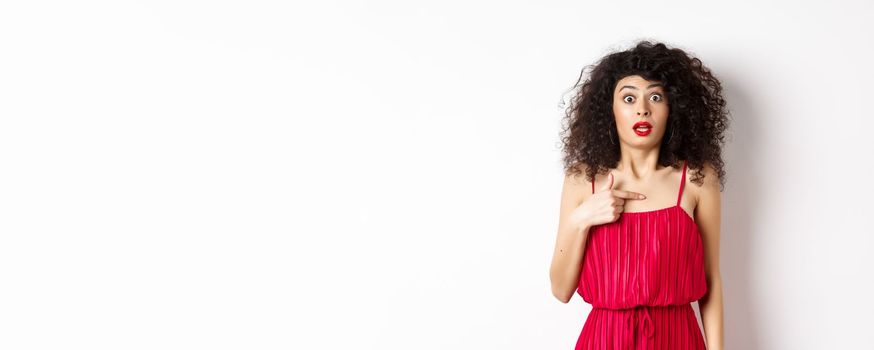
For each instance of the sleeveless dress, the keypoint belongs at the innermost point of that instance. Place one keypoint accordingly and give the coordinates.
(641, 273)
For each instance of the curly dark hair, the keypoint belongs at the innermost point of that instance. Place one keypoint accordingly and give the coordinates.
(697, 115)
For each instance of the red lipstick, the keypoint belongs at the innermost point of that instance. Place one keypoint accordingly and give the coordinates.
(642, 128)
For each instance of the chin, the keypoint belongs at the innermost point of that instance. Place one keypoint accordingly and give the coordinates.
(644, 145)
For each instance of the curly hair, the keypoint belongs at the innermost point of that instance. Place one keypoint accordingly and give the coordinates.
(697, 117)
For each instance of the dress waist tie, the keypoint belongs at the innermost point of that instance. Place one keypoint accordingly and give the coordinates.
(634, 318)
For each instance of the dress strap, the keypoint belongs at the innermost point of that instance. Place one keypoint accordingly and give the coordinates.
(682, 183)
(593, 185)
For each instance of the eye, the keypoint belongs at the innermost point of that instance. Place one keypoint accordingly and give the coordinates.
(627, 97)
(659, 97)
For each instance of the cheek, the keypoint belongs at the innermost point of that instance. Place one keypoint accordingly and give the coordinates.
(621, 110)
(624, 116)
(662, 117)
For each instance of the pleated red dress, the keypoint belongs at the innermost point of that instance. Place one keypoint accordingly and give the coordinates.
(641, 273)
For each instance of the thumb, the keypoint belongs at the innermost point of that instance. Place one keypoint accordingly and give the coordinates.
(608, 185)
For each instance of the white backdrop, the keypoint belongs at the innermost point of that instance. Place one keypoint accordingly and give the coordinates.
(386, 175)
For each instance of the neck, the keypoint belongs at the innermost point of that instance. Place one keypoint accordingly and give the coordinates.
(638, 164)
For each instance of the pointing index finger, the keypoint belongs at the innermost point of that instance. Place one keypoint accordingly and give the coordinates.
(628, 194)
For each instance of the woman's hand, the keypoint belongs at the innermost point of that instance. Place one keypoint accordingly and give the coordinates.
(603, 206)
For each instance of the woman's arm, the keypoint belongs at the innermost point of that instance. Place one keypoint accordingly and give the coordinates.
(708, 218)
(564, 272)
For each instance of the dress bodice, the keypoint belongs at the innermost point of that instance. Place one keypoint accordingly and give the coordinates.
(652, 258)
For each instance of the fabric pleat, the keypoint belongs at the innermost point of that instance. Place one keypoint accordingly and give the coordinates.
(640, 273)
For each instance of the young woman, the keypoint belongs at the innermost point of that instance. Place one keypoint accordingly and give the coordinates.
(638, 234)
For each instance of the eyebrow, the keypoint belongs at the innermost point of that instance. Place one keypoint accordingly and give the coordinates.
(648, 87)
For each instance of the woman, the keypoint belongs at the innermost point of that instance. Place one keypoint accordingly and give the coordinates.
(638, 238)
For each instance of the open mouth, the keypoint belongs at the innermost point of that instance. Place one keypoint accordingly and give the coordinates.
(642, 128)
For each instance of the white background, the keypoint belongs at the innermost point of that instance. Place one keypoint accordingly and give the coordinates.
(386, 175)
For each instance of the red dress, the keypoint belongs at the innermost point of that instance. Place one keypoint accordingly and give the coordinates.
(641, 273)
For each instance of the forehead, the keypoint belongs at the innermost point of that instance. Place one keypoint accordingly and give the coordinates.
(636, 81)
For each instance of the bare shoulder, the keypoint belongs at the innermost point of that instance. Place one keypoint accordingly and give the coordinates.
(711, 178)
(576, 188)
(708, 193)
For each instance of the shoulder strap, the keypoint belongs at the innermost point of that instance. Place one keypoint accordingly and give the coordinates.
(593, 185)
(682, 183)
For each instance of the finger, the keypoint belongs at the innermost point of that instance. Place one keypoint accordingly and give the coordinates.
(619, 208)
(628, 194)
(608, 185)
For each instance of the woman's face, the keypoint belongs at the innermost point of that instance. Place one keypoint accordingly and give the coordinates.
(641, 110)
